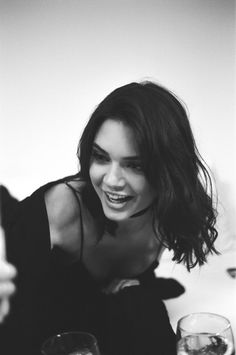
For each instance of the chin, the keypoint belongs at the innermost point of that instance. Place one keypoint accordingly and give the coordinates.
(117, 216)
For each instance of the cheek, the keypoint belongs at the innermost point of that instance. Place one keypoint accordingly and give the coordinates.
(95, 173)
(92, 172)
(143, 189)
(138, 184)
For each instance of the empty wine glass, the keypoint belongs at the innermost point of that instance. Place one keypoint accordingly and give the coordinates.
(204, 334)
(71, 343)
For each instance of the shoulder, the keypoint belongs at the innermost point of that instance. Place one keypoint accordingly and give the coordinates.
(60, 202)
(63, 211)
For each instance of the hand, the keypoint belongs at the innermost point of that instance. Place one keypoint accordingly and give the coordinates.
(7, 287)
(117, 285)
(7, 273)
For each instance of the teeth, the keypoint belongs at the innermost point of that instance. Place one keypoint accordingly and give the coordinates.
(116, 198)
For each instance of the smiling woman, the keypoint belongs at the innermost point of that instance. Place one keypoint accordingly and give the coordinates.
(157, 128)
(116, 173)
(86, 246)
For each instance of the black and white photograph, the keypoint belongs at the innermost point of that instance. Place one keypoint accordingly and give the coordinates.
(117, 177)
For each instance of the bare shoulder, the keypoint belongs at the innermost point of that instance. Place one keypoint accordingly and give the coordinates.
(63, 214)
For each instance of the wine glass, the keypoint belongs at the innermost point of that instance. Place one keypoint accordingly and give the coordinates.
(204, 334)
(71, 343)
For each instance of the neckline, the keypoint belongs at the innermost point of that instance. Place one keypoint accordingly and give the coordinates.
(98, 282)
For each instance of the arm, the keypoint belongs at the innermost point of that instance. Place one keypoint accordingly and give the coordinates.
(64, 225)
(63, 216)
(37, 227)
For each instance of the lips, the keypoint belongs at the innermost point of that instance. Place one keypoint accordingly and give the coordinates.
(117, 198)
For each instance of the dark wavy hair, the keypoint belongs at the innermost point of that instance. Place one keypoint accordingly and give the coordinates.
(184, 216)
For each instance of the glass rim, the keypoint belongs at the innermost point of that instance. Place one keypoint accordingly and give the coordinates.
(72, 332)
(228, 325)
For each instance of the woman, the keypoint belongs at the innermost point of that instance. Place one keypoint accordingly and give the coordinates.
(86, 247)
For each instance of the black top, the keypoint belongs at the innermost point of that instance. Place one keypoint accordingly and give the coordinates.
(54, 296)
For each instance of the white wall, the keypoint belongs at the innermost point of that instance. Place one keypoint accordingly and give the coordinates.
(59, 58)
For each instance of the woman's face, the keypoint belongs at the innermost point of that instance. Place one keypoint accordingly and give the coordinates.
(116, 173)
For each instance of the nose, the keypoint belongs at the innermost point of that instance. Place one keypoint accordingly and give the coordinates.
(114, 178)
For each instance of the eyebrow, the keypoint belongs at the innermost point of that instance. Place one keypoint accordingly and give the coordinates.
(130, 158)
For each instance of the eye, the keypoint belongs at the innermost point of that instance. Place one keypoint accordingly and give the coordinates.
(99, 157)
(134, 166)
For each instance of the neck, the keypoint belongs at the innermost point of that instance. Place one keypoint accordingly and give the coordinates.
(142, 220)
(140, 213)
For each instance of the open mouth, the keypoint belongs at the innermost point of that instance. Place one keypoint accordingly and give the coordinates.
(117, 198)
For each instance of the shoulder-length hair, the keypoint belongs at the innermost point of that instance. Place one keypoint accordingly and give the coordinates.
(184, 216)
